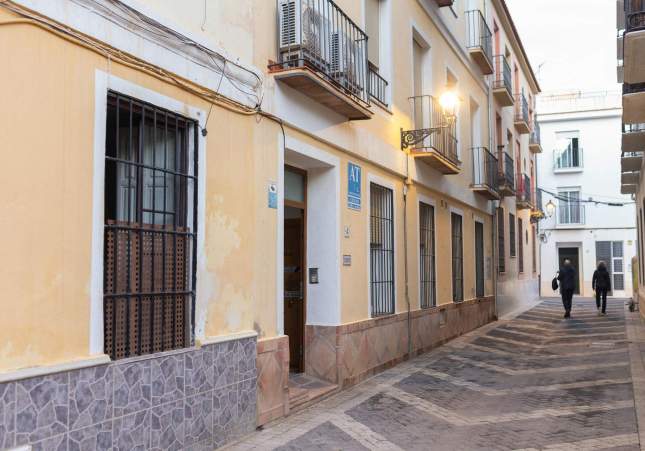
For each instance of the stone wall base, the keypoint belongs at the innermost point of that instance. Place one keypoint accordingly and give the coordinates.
(345, 355)
(197, 398)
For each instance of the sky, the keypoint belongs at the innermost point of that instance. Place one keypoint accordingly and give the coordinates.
(571, 43)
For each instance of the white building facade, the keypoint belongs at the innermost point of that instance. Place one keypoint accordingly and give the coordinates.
(579, 174)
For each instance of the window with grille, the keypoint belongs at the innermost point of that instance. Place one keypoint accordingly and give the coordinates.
(501, 250)
(511, 234)
(457, 258)
(149, 230)
(520, 244)
(427, 256)
(381, 250)
(534, 248)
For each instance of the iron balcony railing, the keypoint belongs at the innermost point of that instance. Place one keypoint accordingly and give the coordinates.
(571, 213)
(535, 133)
(633, 88)
(633, 128)
(506, 166)
(484, 168)
(521, 108)
(569, 158)
(502, 74)
(479, 34)
(634, 15)
(378, 86)
(432, 129)
(538, 200)
(523, 192)
(318, 35)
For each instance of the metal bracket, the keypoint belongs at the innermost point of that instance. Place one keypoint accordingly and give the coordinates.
(410, 138)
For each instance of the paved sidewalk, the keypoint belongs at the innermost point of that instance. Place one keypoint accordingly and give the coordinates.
(533, 382)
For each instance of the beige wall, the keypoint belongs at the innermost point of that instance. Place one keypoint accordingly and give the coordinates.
(46, 124)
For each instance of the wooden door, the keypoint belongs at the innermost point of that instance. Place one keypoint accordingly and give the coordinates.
(294, 283)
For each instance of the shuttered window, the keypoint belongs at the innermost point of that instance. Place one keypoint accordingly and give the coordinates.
(511, 234)
(520, 243)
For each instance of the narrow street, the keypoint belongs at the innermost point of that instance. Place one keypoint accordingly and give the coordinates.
(534, 382)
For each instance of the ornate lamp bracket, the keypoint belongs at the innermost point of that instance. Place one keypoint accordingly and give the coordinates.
(410, 138)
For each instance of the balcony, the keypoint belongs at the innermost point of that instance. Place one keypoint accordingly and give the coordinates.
(633, 139)
(537, 211)
(377, 86)
(570, 159)
(521, 116)
(480, 41)
(523, 198)
(535, 143)
(630, 178)
(502, 84)
(505, 172)
(443, 3)
(631, 162)
(323, 55)
(634, 41)
(634, 103)
(628, 189)
(433, 138)
(484, 173)
(570, 214)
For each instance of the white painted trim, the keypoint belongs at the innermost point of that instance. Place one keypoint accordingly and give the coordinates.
(26, 373)
(103, 83)
(320, 159)
(229, 337)
(458, 211)
(378, 180)
(422, 198)
(279, 275)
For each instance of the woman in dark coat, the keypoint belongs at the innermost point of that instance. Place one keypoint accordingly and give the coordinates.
(601, 282)
(567, 278)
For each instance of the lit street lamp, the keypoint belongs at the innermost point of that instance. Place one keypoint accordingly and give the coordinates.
(550, 208)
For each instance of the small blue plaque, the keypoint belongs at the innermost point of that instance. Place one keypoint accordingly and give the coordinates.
(353, 186)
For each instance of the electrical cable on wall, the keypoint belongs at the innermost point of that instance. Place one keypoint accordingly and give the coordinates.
(584, 201)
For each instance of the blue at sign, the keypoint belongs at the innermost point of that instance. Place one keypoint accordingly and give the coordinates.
(353, 186)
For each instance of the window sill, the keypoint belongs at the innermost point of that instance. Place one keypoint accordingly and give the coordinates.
(567, 170)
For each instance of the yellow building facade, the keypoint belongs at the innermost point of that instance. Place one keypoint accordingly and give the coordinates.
(201, 201)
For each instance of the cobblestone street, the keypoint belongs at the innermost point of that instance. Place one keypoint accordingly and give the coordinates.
(534, 382)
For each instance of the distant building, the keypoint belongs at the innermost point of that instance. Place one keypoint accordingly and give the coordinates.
(578, 175)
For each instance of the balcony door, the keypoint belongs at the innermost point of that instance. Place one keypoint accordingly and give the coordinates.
(570, 212)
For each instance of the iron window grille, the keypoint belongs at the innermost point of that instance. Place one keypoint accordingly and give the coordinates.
(427, 256)
(381, 250)
(501, 250)
(150, 228)
(520, 244)
(511, 234)
(377, 86)
(457, 258)
(534, 248)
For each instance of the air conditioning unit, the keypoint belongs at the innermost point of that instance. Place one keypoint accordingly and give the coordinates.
(348, 64)
(302, 32)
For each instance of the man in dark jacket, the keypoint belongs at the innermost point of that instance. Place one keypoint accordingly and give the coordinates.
(567, 278)
(601, 282)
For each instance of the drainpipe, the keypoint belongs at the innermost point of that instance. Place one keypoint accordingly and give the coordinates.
(407, 183)
(494, 204)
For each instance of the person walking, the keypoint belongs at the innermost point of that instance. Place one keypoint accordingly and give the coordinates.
(567, 279)
(601, 283)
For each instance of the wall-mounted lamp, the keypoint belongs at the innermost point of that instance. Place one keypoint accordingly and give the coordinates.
(449, 102)
(550, 208)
